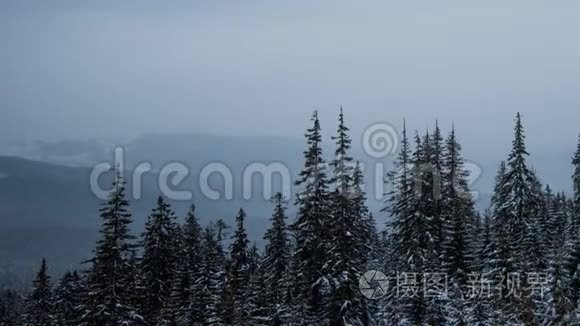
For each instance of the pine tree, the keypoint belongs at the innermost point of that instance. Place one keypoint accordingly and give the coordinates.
(399, 206)
(576, 186)
(538, 234)
(499, 262)
(398, 203)
(423, 251)
(482, 311)
(349, 237)
(498, 258)
(522, 201)
(276, 264)
(369, 244)
(457, 203)
(67, 296)
(437, 162)
(108, 298)
(368, 247)
(412, 206)
(184, 306)
(11, 305)
(11, 308)
(209, 286)
(257, 301)
(520, 211)
(159, 263)
(310, 233)
(572, 266)
(134, 281)
(39, 310)
(550, 217)
(486, 248)
(341, 165)
(225, 303)
(560, 304)
(238, 312)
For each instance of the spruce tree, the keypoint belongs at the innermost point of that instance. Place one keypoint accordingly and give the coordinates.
(159, 263)
(572, 266)
(369, 243)
(276, 264)
(341, 164)
(576, 186)
(257, 302)
(310, 232)
(134, 281)
(108, 299)
(459, 213)
(458, 253)
(399, 222)
(437, 162)
(486, 248)
(538, 235)
(499, 262)
(39, 310)
(560, 249)
(11, 305)
(349, 237)
(412, 206)
(67, 296)
(520, 218)
(522, 203)
(423, 251)
(481, 308)
(551, 220)
(209, 286)
(238, 310)
(398, 203)
(184, 306)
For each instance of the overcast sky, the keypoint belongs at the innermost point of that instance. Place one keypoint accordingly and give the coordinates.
(121, 68)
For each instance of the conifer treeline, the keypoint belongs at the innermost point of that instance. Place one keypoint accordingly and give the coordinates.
(517, 263)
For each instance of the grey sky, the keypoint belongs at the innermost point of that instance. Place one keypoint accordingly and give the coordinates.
(70, 69)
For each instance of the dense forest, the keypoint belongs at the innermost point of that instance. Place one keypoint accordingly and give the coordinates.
(437, 261)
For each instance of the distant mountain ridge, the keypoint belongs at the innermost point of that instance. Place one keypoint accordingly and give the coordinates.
(47, 208)
(49, 211)
(197, 149)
